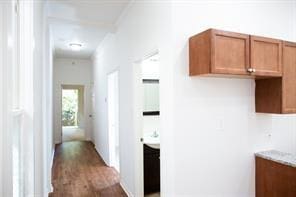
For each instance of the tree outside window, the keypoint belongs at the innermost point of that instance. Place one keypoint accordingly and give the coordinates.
(69, 107)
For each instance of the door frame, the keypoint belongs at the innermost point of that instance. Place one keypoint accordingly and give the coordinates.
(138, 122)
(111, 136)
(72, 86)
(9, 58)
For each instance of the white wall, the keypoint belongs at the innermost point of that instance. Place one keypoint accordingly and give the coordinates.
(6, 62)
(30, 76)
(36, 74)
(102, 66)
(217, 130)
(48, 105)
(39, 100)
(150, 124)
(1, 97)
(143, 29)
(209, 128)
(71, 72)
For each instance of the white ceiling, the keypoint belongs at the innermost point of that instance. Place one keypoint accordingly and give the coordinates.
(82, 21)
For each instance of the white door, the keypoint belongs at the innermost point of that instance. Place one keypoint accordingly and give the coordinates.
(113, 119)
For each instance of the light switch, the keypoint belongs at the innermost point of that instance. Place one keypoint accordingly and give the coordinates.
(220, 124)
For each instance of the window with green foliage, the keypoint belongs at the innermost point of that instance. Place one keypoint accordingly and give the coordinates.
(69, 107)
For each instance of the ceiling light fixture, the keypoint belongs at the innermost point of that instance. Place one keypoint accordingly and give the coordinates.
(75, 46)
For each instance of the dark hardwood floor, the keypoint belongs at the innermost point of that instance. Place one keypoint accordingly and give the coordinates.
(79, 171)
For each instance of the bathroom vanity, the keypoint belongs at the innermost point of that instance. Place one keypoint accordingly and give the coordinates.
(151, 127)
(151, 169)
(151, 152)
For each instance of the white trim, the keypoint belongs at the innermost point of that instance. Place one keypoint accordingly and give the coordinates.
(148, 55)
(138, 124)
(124, 13)
(125, 189)
(8, 47)
(51, 164)
(101, 155)
(84, 88)
(57, 142)
(1, 95)
(101, 46)
(111, 136)
(49, 189)
(17, 112)
(138, 121)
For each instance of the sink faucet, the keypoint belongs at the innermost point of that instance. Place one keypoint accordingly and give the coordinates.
(155, 134)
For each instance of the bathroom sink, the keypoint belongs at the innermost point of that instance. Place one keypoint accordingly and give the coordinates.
(155, 146)
(151, 140)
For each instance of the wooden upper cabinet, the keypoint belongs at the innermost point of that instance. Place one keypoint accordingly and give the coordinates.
(266, 56)
(278, 95)
(219, 52)
(230, 53)
(289, 77)
(271, 62)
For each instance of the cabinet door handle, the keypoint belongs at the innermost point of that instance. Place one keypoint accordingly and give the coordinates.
(254, 70)
(250, 70)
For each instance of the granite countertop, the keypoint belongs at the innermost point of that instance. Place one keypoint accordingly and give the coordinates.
(280, 157)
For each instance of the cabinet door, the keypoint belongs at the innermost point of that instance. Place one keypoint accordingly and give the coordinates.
(230, 53)
(289, 77)
(266, 56)
(151, 170)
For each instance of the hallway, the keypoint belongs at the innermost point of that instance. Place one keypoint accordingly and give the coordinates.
(73, 134)
(79, 171)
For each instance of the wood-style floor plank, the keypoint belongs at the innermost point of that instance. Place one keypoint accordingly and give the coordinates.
(79, 171)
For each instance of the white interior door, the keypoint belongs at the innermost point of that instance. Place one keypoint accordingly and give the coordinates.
(113, 119)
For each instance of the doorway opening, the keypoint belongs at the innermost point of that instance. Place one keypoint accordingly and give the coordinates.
(150, 126)
(147, 124)
(113, 119)
(73, 113)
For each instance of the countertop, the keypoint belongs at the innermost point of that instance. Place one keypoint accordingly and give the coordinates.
(280, 157)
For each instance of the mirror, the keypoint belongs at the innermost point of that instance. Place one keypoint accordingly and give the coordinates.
(151, 96)
(150, 77)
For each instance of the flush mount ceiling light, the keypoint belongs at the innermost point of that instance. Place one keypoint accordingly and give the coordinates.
(75, 46)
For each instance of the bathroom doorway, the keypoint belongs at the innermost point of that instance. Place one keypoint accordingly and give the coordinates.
(73, 113)
(150, 131)
(113, 119)
(147, 125)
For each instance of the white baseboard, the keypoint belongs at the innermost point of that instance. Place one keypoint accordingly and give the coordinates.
(57, 142)
(129, 194)
(51, 164)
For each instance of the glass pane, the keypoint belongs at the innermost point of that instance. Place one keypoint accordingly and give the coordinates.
(151, 97)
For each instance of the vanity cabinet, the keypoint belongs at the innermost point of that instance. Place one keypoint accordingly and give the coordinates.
(278, 95)
(217, 52)
(151, 170)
